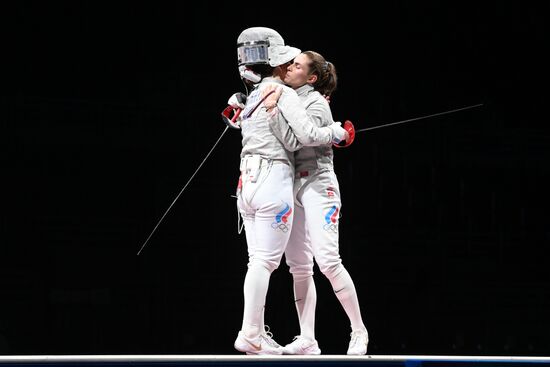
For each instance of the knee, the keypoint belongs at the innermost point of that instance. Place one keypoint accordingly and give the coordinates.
(271, 266)
(331, 271)
(301, 272)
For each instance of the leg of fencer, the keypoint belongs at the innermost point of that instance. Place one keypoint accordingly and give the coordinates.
(255, 290)
(322, 216)
(299, 258)
(344, 288)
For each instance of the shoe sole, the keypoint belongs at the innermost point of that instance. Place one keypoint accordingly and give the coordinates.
(247, 351)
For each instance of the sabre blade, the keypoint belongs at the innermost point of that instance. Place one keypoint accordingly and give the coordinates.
(420, 118)
(184, 187)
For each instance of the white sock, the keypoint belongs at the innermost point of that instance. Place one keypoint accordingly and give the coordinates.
(256, 284)
(305, 297)
(343, 287)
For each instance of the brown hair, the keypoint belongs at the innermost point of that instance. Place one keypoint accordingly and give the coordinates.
(325, 71)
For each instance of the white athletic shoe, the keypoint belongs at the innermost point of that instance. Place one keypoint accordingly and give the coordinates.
(302, 346)
(269, 334)
(358, 343)
(262, 344)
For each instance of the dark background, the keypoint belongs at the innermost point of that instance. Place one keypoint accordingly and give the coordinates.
(109, 108)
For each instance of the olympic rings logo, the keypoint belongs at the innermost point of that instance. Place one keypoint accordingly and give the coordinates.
(331, 227)
(280, 226)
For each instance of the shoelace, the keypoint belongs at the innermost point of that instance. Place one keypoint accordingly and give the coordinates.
(267, 332)
(268, 336)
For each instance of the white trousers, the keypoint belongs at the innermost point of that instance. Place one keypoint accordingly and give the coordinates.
(266, 204)
(315, 235)
(315, 225)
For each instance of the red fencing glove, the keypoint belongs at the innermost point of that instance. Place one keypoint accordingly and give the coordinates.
(350, 129)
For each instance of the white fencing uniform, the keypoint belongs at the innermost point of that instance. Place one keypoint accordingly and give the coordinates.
(265, 199)
(315, 225)
(317, 195)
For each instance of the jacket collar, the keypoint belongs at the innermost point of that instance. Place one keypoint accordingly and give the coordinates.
(304, 89)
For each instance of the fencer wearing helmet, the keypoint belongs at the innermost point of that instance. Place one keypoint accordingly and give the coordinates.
(265, 198)
(317, 207)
